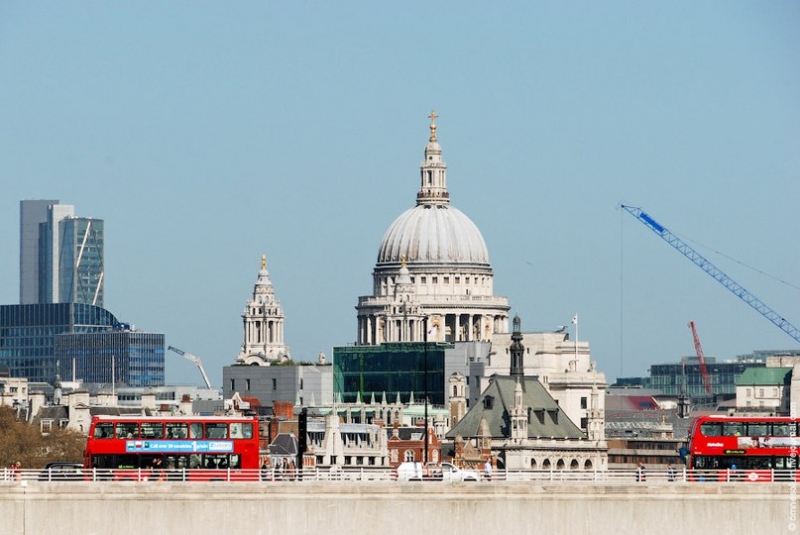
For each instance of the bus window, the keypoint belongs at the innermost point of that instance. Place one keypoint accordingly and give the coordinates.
(196, 430)
(781, 430)
(177, 431)
(216, 430)
(195, 460)
(115, 461)
(785, 463)
(104, 430)
(128, 430)
(733, 429)
(711, 429)
(760, 463)
(216, 461)
(702, 462)
(152, 430)
(235, 461)
(758, 429)
(241, 430)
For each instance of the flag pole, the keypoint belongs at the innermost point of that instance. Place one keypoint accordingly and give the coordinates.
(575, 321)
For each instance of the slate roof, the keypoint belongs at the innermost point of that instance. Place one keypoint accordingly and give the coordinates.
(630, 403)
(284, 444)
(547, 420)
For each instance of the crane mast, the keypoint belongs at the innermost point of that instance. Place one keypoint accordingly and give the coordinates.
(196, 360)
(701, 358)
(714, 271)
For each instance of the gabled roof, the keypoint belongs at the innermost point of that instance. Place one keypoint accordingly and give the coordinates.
(546, 420)
(407, 433)
(284, 444)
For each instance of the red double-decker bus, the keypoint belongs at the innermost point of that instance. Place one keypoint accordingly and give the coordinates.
(173, 447)
(744, 448)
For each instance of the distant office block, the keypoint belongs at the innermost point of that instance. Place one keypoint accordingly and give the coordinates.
(302, 384)
(28, 332)
(61, 256)
(118, 356)
(32, 214)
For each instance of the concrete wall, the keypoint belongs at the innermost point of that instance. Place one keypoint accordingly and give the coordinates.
(394, 508)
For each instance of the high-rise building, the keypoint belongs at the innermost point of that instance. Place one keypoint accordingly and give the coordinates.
(81, 261)
(32, 214)
(61, 255)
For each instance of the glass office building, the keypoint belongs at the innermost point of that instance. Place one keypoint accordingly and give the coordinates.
(81, 261)
(722, 376)
(61, 255)
(119, 356)
(390, 369)
(29, 333)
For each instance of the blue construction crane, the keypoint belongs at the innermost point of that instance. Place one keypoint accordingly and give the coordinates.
(714, 271)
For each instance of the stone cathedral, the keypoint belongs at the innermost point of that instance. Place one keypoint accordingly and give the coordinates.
(433, 268)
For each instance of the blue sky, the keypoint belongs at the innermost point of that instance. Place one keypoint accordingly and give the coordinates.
(206, 134)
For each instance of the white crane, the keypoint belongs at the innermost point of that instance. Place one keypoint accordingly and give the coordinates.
(196, 360)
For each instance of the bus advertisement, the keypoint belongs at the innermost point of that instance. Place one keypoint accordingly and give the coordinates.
(744, 447)
(173, 447)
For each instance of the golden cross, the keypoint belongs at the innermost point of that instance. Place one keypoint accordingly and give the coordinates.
(433, 117)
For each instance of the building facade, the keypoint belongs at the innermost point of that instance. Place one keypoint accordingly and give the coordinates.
(524, 427)
(119, 356)
(303, 384)
(764, 389)
(28, 335)
(391, 369)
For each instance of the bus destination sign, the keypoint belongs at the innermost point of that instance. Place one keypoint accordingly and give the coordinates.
(194, 446)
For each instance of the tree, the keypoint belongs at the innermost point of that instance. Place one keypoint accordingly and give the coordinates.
(21, 442)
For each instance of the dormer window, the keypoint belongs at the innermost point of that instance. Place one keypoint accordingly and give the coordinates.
(488, 402)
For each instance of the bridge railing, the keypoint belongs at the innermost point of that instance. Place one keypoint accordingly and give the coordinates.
(371, 474)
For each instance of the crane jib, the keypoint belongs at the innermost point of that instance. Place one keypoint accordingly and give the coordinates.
(651, 222)
(698, 259)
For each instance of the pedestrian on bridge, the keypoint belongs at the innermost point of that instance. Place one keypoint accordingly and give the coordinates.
(641, 476)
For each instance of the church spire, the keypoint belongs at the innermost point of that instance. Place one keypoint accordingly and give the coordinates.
(433, 171)
(517, 353)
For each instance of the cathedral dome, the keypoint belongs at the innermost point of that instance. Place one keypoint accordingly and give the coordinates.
(433, 232)
(430, 233)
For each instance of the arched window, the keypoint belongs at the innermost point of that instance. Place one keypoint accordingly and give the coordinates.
(574, 465)
(587, 465)
(560, 464)
(534, 465)
(546, 464)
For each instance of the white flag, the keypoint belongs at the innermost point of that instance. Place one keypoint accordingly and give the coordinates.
(575, 319)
